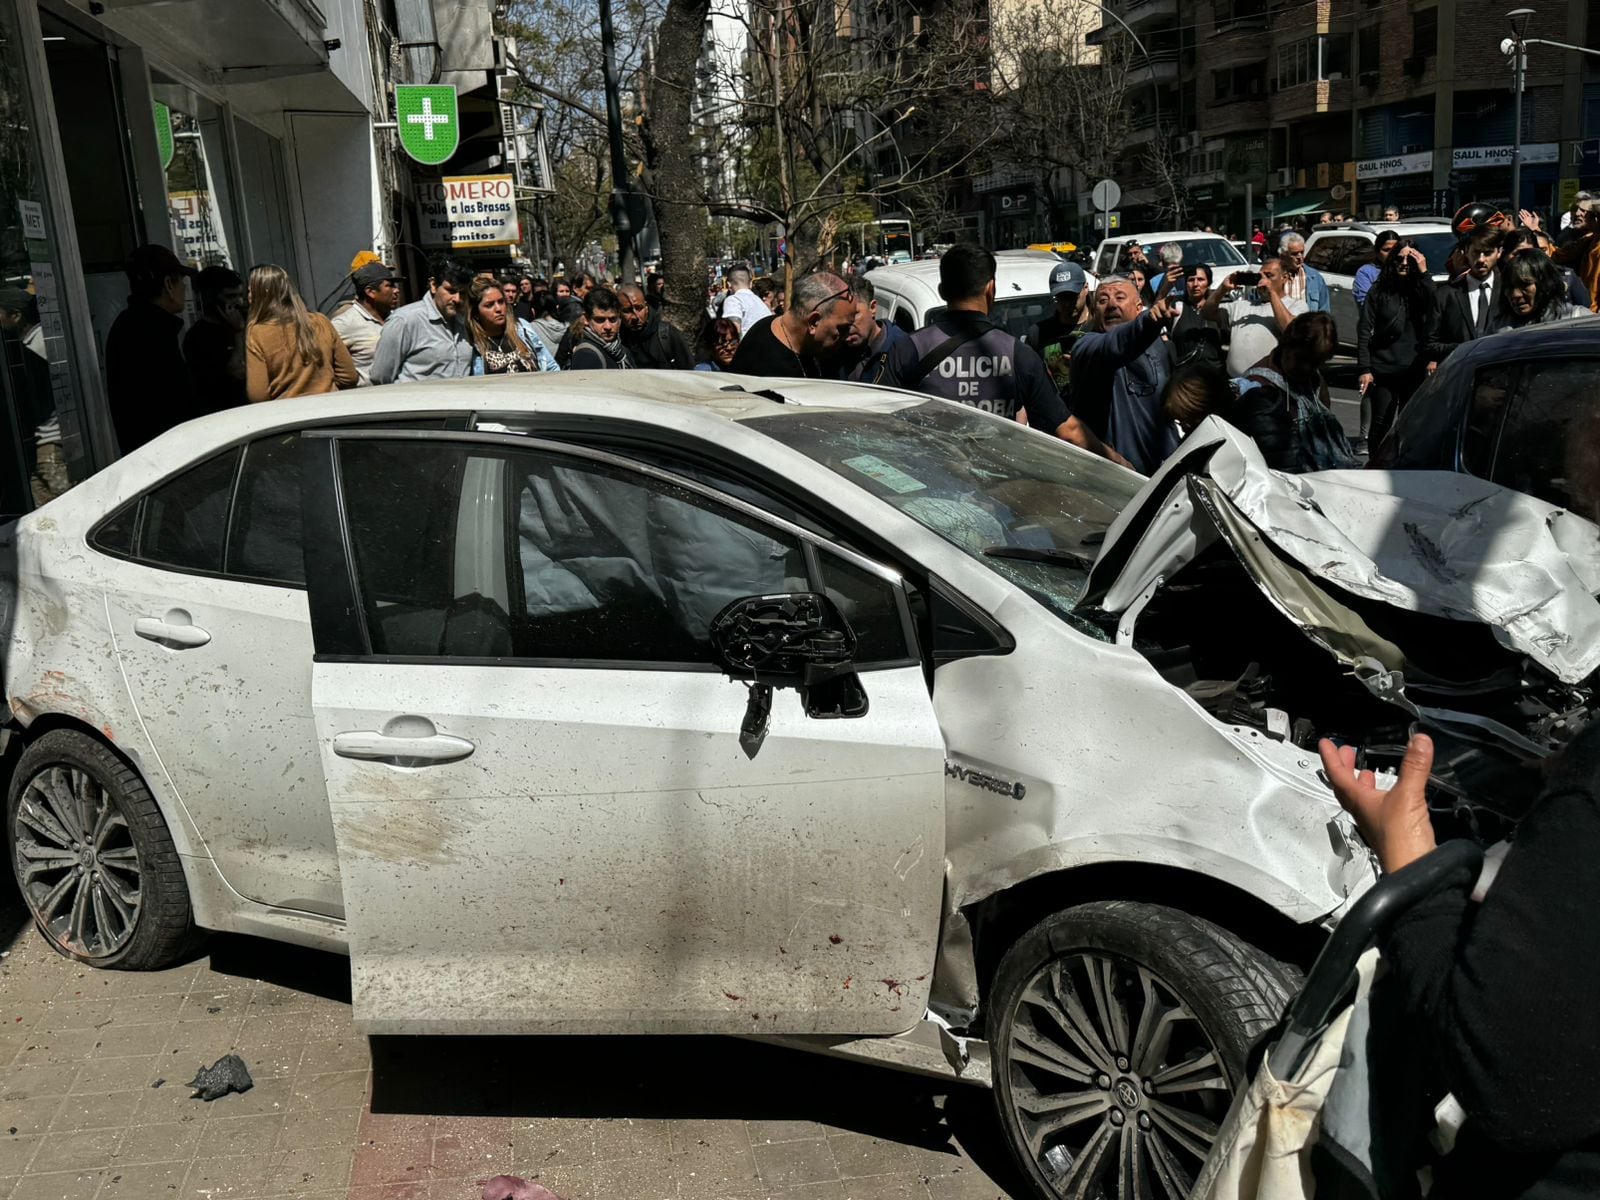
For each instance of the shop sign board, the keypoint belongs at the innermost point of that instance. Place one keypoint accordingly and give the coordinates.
(1470, 158)
(197, 226)
(429, 121)
(465, 211)
(1395, 165)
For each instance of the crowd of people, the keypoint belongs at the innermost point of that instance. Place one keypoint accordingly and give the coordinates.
(1123, 367)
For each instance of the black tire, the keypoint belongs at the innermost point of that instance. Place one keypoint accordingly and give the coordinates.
(1124, 1116)
(157, 928)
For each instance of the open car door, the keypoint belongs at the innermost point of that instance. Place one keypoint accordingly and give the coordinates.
(554, 809)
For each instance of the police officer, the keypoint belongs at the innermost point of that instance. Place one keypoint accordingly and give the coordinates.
(965, 357)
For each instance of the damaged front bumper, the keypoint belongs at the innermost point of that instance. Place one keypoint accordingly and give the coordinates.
(1437, 600)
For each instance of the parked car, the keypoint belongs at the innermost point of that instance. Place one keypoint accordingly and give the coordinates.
(1341, 249)
(1215, 251)
(671, 703)
(909, 296)
(1521, 408)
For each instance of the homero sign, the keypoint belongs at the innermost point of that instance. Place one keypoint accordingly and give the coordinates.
(469, 210)
(429, 121)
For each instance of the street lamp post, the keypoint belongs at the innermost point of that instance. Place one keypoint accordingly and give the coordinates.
(1516, 48)
(1519, 66)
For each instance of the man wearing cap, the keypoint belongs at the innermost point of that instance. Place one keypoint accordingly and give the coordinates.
(147, 381)
(1055, 336)
(360, 325)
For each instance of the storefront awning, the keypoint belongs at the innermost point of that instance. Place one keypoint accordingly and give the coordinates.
(1298, 204)
(244, 40)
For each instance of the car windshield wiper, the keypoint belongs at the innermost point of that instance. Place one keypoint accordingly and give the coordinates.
(1043, 554)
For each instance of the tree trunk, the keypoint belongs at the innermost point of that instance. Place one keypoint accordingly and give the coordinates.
(681, 212)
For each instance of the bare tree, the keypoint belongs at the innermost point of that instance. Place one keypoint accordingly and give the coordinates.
(836, 89)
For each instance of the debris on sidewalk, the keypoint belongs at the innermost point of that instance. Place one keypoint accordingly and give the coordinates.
(227, 1074)
(513, 1187)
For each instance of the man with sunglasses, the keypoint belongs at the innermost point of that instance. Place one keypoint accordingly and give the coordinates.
(965, 357)
(803, 342)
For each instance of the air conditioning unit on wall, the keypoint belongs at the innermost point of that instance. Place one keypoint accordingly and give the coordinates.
(1283, 178)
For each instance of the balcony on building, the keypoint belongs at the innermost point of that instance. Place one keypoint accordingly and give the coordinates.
(1158, 67)
(1239, 14)
(1140, 13)
(1310, 99)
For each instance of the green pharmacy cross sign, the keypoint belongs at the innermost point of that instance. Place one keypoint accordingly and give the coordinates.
(429, 121)
(164, 139)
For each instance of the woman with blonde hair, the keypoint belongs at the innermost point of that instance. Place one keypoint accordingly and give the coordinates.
(289, 350)
(505, 344)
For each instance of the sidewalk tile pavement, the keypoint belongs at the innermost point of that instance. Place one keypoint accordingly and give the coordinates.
(93, 1104)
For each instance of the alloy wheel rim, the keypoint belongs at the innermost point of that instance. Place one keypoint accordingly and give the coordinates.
(76, 862)
(1115, 1085)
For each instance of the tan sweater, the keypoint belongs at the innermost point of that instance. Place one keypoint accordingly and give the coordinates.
(274, 369)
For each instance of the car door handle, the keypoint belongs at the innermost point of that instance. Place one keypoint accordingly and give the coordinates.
(173, 631)
(372, 746)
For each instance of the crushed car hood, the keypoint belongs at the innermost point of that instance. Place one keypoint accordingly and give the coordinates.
(1430, 542)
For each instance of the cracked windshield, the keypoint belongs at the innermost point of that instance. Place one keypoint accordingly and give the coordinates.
(1030, 508)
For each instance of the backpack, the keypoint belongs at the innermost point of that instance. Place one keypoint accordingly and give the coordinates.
(1320, 443)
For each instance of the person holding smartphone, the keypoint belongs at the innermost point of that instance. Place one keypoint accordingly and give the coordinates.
(1254, 319)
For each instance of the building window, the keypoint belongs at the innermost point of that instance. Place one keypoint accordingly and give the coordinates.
(1222, 84)
(1297, 63)
(1367, 48)
(1425, 33)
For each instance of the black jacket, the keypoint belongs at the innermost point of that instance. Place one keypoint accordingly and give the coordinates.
(1501, 995)
(147, 381)
(1392, 336)
(658, 345)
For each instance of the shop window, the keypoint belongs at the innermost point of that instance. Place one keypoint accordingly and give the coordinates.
(43, 443)
(88, 105)
(199, 189)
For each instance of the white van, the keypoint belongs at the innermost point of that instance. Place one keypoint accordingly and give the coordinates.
(909, 296)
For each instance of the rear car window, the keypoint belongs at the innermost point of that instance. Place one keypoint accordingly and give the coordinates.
(185, 519)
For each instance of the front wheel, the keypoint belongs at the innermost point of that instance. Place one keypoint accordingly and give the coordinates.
(1121, 1034)
(93, 858)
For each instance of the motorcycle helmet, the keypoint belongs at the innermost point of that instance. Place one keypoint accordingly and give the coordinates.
(1475, 216)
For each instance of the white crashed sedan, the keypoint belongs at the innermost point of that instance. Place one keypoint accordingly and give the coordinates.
(686, 703)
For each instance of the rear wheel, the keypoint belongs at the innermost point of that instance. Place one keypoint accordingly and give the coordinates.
(1121, 1036)
(93, 858)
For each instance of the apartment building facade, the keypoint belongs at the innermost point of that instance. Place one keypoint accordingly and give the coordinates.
(1353, 105)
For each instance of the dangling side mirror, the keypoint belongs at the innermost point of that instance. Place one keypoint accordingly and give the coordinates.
(790, 639)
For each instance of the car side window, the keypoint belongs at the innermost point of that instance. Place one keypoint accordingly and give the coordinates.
(471, 552)
(904, 319)
(184, 521)
(1550, 444)
(869, 603)
(264, 538)
(1327, 253)
(1357, 254)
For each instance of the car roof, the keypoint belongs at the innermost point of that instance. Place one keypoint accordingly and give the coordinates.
(1403, 225)
(1017, 273)
(1168, 235)
(1555, 339)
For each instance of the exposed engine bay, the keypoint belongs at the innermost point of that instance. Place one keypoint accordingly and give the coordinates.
(1231, 580)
